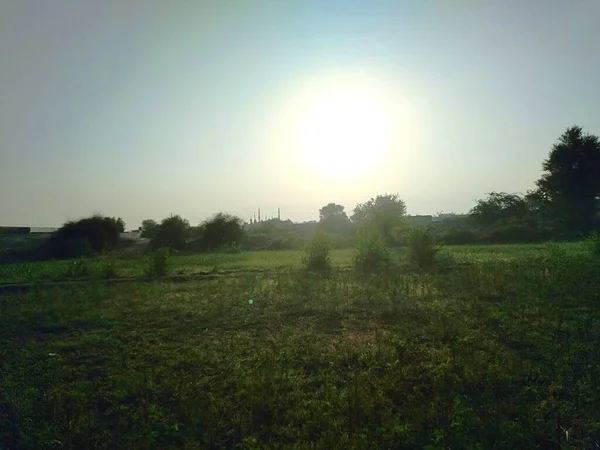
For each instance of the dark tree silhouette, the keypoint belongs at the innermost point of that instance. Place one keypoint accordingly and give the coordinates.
(119, 223)
(331, 210)
(172, 233)
(570, 186)
(498, 207)
(149, 228)
(221, 230)
(84, 237)
(333, 218)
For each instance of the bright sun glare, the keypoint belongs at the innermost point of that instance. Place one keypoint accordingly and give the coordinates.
(340, 125)
(342, 132)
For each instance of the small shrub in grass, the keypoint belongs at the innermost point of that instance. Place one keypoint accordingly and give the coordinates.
(233, 248)
(422, 248)
(554, 253)
(593, 245)
(316, 254)
(372, 254)
(108, 267)
(158, 263)
(78, 268)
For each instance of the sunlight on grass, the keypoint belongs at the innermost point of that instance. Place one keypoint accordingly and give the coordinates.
(361, 362)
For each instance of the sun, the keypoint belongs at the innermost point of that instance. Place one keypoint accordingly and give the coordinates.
(339, 125)
(343, 132)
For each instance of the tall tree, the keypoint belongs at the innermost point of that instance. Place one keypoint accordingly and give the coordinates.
(570, 184)
(149, 228)
(384, 213)
(119, 223)
(332, 217)
(331, 210)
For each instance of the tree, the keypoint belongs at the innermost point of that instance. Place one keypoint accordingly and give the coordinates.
(149, 228)
(570, 186)
(498, 207)
(119, 223)
(331, 210)
(222, 230)
(384, 213)
(172, 233)
(333, 218)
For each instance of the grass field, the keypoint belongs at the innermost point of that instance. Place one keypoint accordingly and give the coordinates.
(500, 353)
(276, 260)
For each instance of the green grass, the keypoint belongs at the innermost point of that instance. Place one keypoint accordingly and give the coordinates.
(502, 353)
(190, 264)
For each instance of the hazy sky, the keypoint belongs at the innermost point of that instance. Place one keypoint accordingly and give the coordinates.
(140, 109)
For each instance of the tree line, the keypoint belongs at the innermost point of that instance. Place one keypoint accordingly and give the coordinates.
(565, 204)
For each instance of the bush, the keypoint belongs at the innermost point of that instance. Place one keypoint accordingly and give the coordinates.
(372, 254)
(514, 232)
(108, 267)
(83, 238)
(222, 230)
(65, 248)
(340, 241)
(316, 254)
(79, 268)
(422, 248)
(172, 233)
(593, 244)
(232, 249)
(458, 236)
(149, 228)
(158, 263)
(264, 241)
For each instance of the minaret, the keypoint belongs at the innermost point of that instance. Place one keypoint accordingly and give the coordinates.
(278, 214)
(259, 214)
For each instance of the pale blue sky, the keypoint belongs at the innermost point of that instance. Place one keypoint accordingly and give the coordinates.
(140, 109)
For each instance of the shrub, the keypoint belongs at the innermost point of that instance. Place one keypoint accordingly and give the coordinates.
(233, 248)
(372, 254)
(172, 233)
(222, 230)
(316, 254)
(79, 268)
(457, 236)
(593, 244)
(158, 263)
(422, 248)
(554, 252)
(342, 241)
(108, 267)
(65, 248)
(514, 232)
(82, 238)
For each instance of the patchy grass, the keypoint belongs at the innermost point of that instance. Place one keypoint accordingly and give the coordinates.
(207, 262)
(497, 354)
